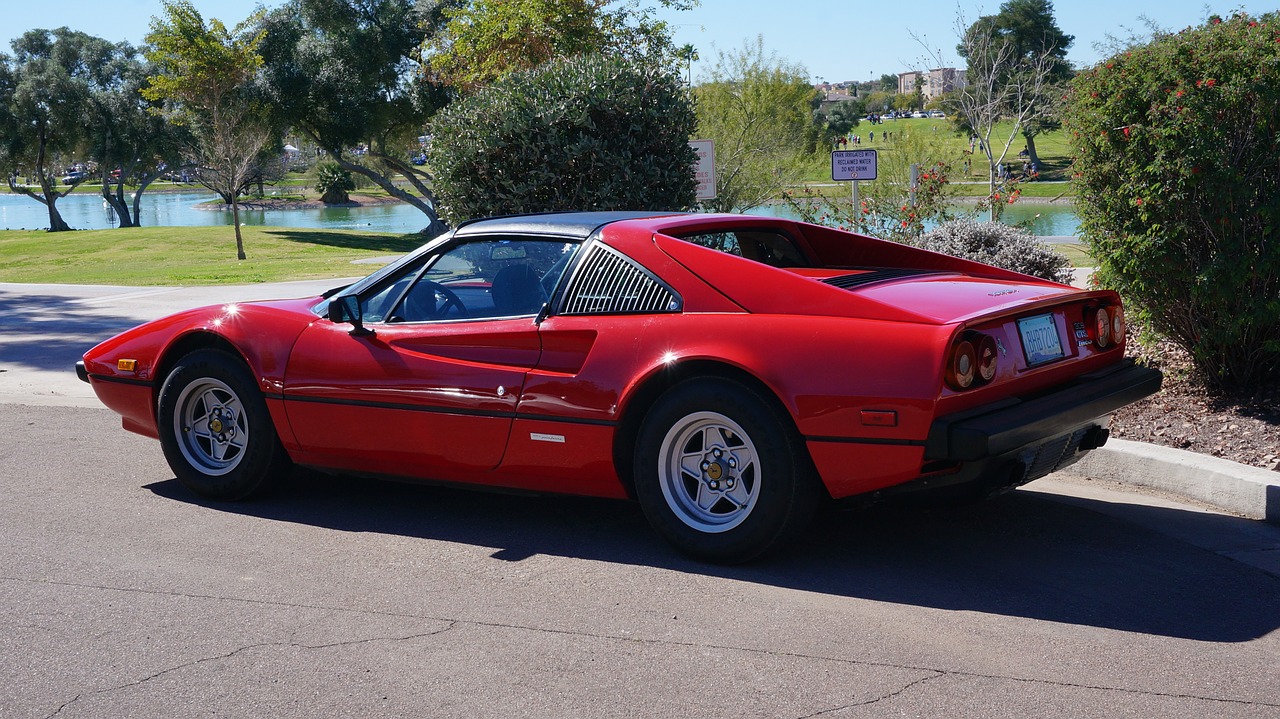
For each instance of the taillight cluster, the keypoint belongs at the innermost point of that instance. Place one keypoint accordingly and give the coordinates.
(1105, 325)
(972, 361)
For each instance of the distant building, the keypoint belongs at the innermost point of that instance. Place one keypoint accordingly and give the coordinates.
(932, 83)
(908, 81)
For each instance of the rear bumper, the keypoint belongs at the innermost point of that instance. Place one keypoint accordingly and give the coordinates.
(1014, 425)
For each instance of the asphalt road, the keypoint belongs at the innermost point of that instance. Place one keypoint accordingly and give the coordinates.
(124, 595)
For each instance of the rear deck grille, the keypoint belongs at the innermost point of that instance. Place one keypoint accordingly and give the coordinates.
(849, 282)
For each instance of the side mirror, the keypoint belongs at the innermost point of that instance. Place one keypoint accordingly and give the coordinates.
(347, 309)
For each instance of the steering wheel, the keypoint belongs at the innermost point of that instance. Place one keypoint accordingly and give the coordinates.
(442, 301)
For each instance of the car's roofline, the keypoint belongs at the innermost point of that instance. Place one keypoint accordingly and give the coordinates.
(580, 225)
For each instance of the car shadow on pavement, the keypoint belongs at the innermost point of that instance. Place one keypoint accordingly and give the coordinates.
(52, 332)
(1023, 554)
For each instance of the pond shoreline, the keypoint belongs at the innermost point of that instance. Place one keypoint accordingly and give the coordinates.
(282, 203)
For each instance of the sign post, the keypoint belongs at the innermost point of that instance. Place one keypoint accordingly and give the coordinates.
(853, 165)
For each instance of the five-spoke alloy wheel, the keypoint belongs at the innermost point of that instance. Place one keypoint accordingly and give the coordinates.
(215, 428)
(721, 473)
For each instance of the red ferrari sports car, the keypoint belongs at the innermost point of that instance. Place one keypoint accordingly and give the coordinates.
(727, 372)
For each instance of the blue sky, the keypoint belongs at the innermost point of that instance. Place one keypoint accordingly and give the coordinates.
(834, 41)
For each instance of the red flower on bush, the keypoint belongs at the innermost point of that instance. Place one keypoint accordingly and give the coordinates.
(1126, 132)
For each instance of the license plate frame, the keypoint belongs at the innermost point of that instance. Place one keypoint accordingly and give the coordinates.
(1041, 341)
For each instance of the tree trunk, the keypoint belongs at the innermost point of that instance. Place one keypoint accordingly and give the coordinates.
(1031, 149)
(426, 204)
(235, 220)
(137, 196)
(117, 203)
(56, 223)
(991, 192)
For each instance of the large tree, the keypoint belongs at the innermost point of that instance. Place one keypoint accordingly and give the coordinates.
(483, 40)
(759, 109)
(44, 99)
(203, 72)
(132, 144)
(1027, 34)
(343, 73)
(1001, 83)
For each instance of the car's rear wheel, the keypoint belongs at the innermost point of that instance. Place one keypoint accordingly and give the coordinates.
(215, 429)
(720, 474)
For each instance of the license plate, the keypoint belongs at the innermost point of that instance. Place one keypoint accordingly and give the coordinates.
(1040, 341)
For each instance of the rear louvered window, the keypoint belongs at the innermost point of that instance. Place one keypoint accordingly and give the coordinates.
(608, 283)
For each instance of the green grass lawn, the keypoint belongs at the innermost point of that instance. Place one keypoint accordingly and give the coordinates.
(206, 255)
(190, 255)
(1053, 149)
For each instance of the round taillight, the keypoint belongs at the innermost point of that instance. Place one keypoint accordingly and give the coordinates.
(1117, 324)
(1102, 328)
(987, 358)
(964, 365)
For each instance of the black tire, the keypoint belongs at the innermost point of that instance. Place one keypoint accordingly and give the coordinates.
(215, 429)
(720, 474)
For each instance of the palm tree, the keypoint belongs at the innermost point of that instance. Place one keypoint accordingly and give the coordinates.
(689, 54)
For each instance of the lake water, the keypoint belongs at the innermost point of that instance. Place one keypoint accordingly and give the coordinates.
(159, 209)
(1057, 219)
(86, 212)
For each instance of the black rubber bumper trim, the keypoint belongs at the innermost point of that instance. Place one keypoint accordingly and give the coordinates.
(969, 437)
(81, 372)
(120, 380)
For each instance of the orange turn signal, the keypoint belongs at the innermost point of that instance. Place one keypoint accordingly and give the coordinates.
(127, 365)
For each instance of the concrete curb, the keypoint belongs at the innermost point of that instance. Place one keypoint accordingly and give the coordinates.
(1249, 491)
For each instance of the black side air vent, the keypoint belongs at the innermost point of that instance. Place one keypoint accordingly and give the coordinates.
(608, 283)
(849, 282)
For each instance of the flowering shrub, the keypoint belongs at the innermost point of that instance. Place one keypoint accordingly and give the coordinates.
(1178, 189)
(996, 243)
(885, 209)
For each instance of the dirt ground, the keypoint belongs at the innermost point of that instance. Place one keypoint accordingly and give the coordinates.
(1244, 428)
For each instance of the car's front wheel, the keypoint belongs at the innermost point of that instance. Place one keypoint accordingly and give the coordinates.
(215, 429)
(720, 474)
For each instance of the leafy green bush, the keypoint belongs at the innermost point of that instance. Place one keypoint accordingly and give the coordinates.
(1178, 171)
(588, 133)
(996, 243)
(333, 183)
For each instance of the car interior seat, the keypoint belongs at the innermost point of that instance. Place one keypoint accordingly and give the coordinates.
(516, 291)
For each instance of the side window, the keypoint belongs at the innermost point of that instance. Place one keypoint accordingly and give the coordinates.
(768, 247)
(498, 277)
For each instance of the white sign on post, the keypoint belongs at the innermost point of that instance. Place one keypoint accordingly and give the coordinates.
(706, 168)
(853, 165)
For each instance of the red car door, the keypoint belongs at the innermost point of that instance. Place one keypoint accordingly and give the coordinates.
(432, 400)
